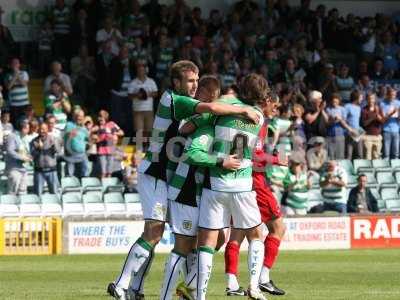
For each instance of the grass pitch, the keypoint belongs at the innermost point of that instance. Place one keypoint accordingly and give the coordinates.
(352, 274)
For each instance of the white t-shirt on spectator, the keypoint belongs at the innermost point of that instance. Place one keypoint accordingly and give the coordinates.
(102, 35)
(149, 86)
(64, 78)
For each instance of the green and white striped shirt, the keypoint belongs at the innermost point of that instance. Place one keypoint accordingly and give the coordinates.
(18, 95)
(190, 172)
(62, 20)
(333, 193)
(298, 195)
(171, 110)
(233, 135)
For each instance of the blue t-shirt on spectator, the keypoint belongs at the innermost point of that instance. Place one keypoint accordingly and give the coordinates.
(392, 124)
(336, 128)
(390, 62)
(77, 143)
(353, 115)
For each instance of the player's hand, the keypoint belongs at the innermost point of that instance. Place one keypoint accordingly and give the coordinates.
(231, 162)
(252, 115)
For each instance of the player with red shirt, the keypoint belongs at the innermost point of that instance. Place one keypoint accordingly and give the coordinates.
(270, 214)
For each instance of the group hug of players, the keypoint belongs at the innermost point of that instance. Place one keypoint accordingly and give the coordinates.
(218, 182)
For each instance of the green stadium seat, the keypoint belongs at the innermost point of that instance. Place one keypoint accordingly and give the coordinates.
(91, 184)
(389, 193)
(393, 205)
(30, 205)
(352, 181)
(395, 163)
(375, 193)
(381, 165)
(131, 198)
(382, 205)
(72, 204)
(133, 205)
(397, 176)
(385, 179)
(347, 165)
(114, 204)
(93, 204)
(371, 180)
(70, 184)
(362, 165)
(112, 184)
(51, 205)
(9, 206)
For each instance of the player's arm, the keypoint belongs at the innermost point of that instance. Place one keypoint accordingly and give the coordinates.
(198, 153)
(185, 107)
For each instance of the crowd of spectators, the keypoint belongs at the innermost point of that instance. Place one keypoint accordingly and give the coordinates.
(332, 73)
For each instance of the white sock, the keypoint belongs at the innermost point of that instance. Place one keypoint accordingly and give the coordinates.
(171, 274)
(233, 283)
(137, 256)
(255, 261)
(264, 276)
(137, 281)
(204, 267)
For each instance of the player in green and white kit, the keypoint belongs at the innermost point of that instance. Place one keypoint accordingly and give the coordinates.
(184, 191)
(174, 106)
(229, 195)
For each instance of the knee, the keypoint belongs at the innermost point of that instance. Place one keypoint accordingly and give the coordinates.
(153, 234)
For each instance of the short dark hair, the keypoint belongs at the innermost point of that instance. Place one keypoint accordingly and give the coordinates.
(254, 89)
(361, 175)
(354, 96)
(182, 66)
(210, 81)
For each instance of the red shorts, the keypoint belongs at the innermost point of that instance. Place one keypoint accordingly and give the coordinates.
(269, 206)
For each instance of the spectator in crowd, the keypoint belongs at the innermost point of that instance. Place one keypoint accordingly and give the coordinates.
(365, 86)
(317, 156)
(17, 158)
(378, 73)
(45, 150)
(298, 127)
(122, 73)
(390, 109)
(353, 118)
(103, 76)
(6, 126)
(109, 33)
(142, 91)
(45, 46)
(107, 136)
(130, 175)
(333, 189)
(163, 55)
(371, 120)
(296, 185)
(327, 81)
(6, 41)
(62, 17)
(52, 130)
(57, 103)
(83, 32)
(76, 139)
(344, 83)
(316, 119)
(33, 131)
(336, 128)
(389, 51)
(361, 199)
(83, 77)
(16, 82)
(56, 73)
